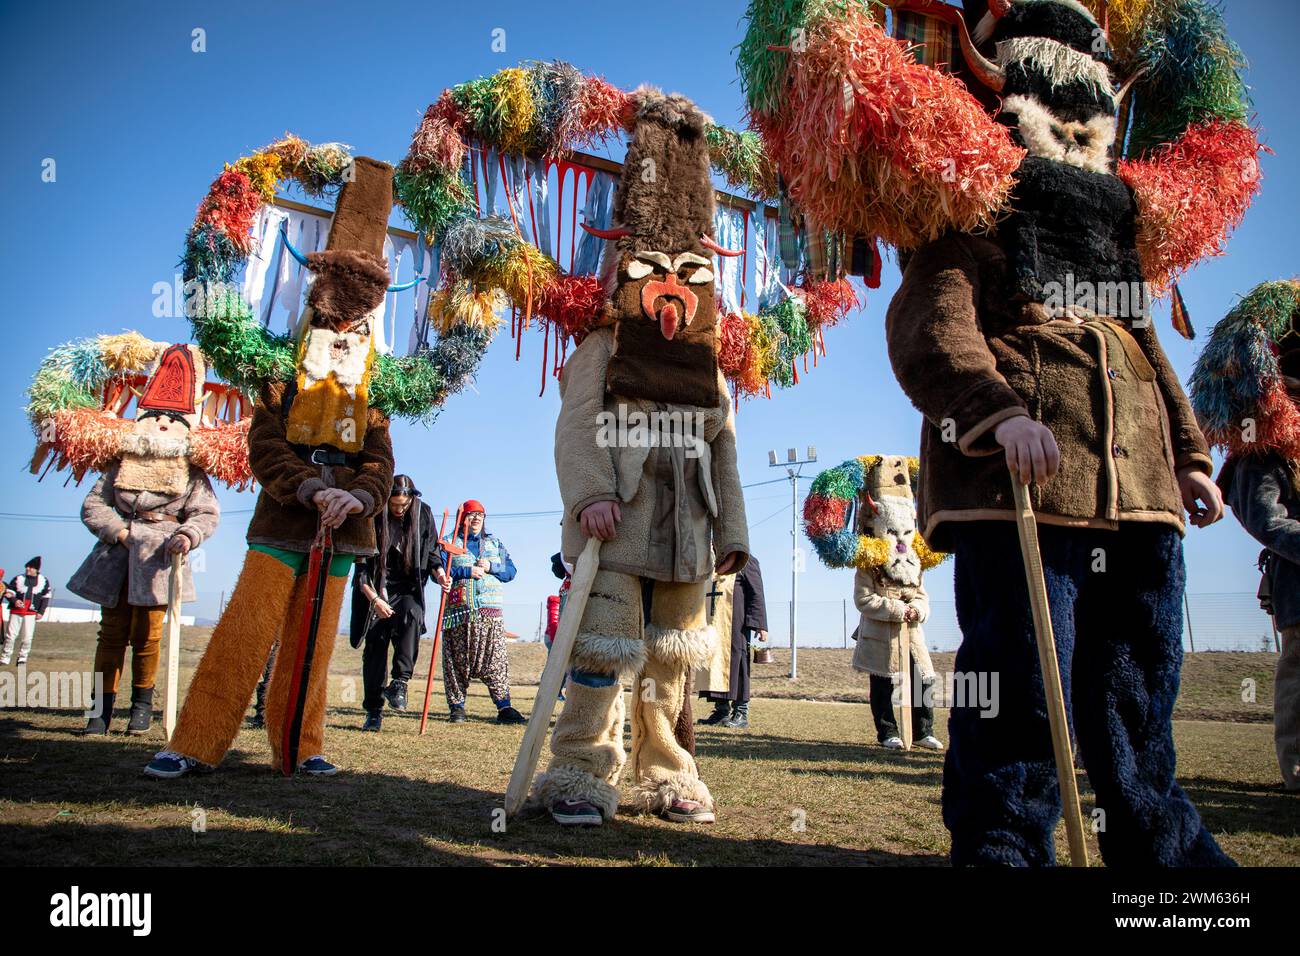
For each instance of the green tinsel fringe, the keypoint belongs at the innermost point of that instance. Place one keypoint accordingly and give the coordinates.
(773, 23)
(1193, 74)
(742, 161)
(53, 390)
(432, 199)
(406, 387)
(243, 352)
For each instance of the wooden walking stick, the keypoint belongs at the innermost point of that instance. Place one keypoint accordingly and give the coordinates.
(905, 708)
(316, 579)
(452, 549)
(1056, 719)
(557, 665)
(173, 645)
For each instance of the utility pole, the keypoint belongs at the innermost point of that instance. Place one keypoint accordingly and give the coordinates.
(793, 466)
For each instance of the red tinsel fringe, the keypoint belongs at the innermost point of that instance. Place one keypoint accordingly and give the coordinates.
(734, 353)
(1190, 195)
(87, 439)
(439, 142)
(828, 302)
(572, 303)
(873, 143)
(230, 207)
(222, 452)
(822, 515)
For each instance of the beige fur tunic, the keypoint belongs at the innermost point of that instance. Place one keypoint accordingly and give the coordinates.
(882, 629)
(143, 560)
(680, 505)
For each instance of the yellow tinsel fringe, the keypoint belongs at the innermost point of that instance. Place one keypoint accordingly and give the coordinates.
(264, 170)
(929, 557)
(129, 351)
(518, 110)
(460, 305)
(521, 274)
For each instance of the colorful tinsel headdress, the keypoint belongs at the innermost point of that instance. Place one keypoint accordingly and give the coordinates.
(82, 391)
(905, 151)
(835, 515)
(1237, 387)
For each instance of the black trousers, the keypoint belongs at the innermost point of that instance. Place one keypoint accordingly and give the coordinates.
(882, 708)
(402, 633)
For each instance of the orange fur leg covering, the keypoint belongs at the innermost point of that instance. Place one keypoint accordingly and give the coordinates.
(234, 661)
(311, 739)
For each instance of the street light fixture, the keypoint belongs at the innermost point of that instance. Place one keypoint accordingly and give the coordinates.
(793, 466)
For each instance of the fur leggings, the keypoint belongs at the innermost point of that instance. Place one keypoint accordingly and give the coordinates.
(656, 633)
(1119, 632)
(267, 604)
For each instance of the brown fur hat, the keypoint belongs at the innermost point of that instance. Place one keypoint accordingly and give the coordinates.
(665, 202)
(665, 196)
(348, 284)
(361, 214)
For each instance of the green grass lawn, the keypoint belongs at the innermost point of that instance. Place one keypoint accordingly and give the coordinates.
(805, 785)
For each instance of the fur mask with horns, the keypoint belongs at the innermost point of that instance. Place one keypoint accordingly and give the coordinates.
(660, 276)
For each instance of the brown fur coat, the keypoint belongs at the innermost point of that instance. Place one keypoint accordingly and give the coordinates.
(284, 516)
(969, 358)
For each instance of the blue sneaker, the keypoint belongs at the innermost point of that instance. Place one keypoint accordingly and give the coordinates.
(317, 767)
(168, 765)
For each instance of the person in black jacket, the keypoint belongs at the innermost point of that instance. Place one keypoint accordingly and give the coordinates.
(388, 597)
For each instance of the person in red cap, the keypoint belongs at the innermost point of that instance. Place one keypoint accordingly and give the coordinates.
(474, 639)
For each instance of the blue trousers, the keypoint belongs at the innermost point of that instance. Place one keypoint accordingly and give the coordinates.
(1116, 599)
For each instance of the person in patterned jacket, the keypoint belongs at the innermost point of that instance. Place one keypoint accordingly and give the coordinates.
(474, 635)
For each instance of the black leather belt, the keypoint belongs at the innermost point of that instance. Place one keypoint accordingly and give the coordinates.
(327, 455)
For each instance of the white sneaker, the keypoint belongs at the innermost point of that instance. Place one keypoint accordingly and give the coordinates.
(930, 743)
(893, 743)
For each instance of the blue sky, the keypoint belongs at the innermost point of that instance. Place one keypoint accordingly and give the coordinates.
(138, 125)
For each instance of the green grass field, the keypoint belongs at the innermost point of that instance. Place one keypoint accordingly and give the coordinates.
(805, 785)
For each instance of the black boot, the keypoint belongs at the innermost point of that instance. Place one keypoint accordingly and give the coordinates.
(141, 711)
(99, 725)
(721, 710)
(395, 694)
(258, 720)
(374, 721)
(739, 718)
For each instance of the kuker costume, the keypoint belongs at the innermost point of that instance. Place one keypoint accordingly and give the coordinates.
(680, 497)
(1029, 255)
(862, 514)
(1245, 390)
(315, 432)
(154, 484)
(152, 492)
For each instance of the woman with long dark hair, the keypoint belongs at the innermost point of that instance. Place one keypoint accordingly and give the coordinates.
(388, 597)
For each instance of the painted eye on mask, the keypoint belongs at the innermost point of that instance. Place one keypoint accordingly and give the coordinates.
(689, 268)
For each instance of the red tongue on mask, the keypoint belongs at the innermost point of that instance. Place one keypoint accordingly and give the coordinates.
(668, 319)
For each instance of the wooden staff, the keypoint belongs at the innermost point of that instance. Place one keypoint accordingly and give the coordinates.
(1033, 561)
(557, 665)
(173, 645)
(905, 708)
(452, 549)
